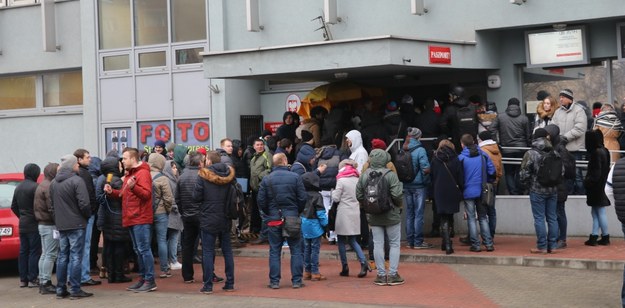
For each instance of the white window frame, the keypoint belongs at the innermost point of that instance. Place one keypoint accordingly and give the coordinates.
(190, 66)
(21, 2)
(152, 69)
(127, 71)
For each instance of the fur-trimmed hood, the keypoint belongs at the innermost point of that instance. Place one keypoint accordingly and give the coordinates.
(540, 110)
(219, 174)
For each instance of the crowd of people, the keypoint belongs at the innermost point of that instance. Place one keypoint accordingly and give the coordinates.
(313, 180)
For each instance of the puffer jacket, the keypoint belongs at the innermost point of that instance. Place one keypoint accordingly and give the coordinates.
(573, 124)
(598, 169)
(530, 165)
(618, 185)
(70, 201)
(359, 154)
(211, 190)
(282, 190)
(331, 157)
(472, 159)
(314, 224)
(377, 161)
(162, 190)
(136, 202)
(491, 148)
(188, 207)
(110, 212)
(42, 196)
(513, 129)
(420, 164)
(23, 204)
(260, 166)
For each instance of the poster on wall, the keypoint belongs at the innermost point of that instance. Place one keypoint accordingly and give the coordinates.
(193, 133)
(117, 139)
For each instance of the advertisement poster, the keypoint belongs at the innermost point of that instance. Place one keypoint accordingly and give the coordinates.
(117, 139)
(191, 133)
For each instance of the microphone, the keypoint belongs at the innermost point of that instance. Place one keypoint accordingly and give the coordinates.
(109, 178)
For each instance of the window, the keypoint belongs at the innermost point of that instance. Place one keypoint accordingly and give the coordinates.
(152, 59)
(114, 23)
(188, 56)
(150, 22)
(188, 20)
(17, 92)
(618, 83)
(62, 89)
(116, 63)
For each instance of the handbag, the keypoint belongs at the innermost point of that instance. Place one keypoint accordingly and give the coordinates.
(488, 189)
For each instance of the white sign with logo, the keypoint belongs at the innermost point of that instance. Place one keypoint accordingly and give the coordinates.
(293, 102)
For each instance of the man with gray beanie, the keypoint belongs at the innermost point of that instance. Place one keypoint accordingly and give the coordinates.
(71, 209)
(572, 121)
(514, 131)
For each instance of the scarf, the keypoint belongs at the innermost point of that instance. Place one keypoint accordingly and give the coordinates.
(347, 171)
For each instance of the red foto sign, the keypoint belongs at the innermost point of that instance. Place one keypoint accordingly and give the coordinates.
(439, 54)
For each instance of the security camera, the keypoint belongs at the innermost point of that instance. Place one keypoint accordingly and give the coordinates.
(517, 2)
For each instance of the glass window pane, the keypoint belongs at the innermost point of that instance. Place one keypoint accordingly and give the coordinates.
(151, 59)
(114, 23)
(588, 83)
(62, 89)
(189, 20)
(150, 22)
(188, 56)
(17, 92)
(115, 63)
(618, 83)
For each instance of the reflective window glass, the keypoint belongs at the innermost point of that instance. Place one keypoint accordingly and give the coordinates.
(115, 63)
(62, 89)
(151, 59)
(150, 22)
(114, 23)
(189, 20)
(17, 92)
(188, 56)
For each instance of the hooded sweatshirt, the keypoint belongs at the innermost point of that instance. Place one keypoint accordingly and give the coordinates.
(71, 205)
(377, 162)
(162, 189)
(359, 154)
(110, 212)
(211, 189)
(24, 199)
(42, 196)
(302, 162)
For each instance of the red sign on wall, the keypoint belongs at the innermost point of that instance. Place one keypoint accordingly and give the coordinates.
(439, 54)
(272, 126)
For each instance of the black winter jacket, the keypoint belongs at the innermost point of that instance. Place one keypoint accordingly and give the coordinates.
(110, 211)
(23, 204)
(189, 208)
(447, 182)
(618, 184)
(513, 128)
(211, 190)
(84, 173)
(598, 169)
(331, 157)
(70, 201)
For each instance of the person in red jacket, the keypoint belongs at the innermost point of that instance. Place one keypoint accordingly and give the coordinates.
(137, 214)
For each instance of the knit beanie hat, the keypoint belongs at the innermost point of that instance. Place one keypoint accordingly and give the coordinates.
(540, 132)
(567, 93)
(306, 136)
(68, 161)
(485, 135)
(159, 143)
(378, 144)
(414, 132)
(514, 101)
(541, 95)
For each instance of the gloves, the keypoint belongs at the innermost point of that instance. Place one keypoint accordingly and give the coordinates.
(564, 140)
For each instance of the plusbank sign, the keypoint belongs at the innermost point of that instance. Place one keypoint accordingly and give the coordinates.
(191, 133)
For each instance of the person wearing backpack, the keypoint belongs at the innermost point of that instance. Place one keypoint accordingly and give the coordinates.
(162, 201)
(594, 183)
(473, 160)
(415, 191)
(389, 220)
(459, 117)
(543, 195)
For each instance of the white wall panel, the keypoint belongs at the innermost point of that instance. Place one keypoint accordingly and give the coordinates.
(191, 95)
(117, 99)
(153, 97)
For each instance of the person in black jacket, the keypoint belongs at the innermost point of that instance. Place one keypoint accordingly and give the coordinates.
(211, 190)
(23, 206)
(594, 183)
(110, 223)
(71, 208)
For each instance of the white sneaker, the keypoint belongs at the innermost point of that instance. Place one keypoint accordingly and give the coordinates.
(175, 266)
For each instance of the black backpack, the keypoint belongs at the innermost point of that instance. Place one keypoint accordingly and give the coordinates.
(549, 169)
(466, 118)
(403, 163)
(376, 193)
(235, 200)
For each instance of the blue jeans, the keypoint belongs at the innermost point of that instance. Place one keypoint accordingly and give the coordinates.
(491, 213)
(49, 252)
(351, 239)
(470, 207)
(160, 232)
(544, 207)
(30, 251)
(70, 258)
(311, 254)
(86, 264)
(140, 235)
(415, 207)
(275, 249)
(208, 257)
(394, 236)
(599, 220)
(561, 213)
(172, 245)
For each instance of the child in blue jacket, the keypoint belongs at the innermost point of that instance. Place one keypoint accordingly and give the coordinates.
(314, 221)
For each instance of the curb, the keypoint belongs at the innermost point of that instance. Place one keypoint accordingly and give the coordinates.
(583, 264)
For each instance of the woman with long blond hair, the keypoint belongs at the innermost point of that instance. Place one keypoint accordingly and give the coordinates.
(544, 112)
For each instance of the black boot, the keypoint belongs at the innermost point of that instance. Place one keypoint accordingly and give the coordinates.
(446, 239)
(364, 268)
(47, 288)
(345, 271)
(592, 240)
(121, 278)
(605, 240)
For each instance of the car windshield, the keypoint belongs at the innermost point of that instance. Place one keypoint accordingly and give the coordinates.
(6, 194)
